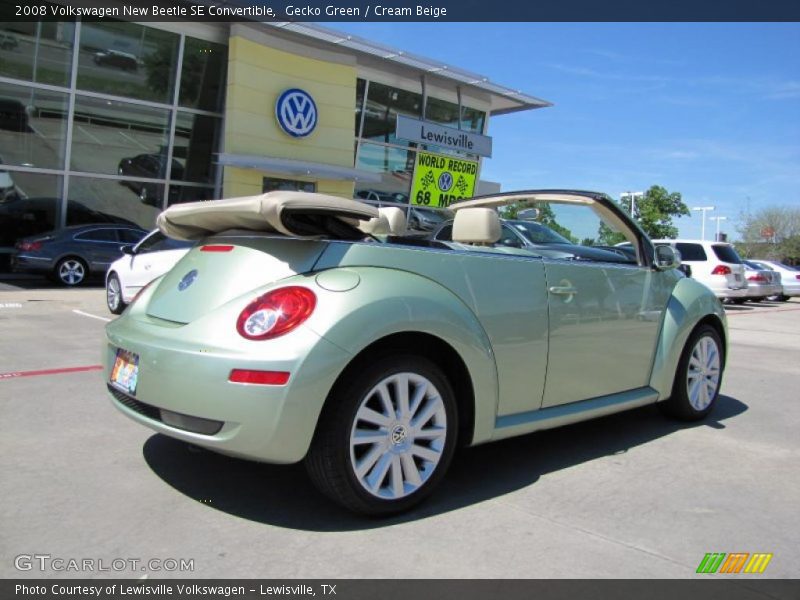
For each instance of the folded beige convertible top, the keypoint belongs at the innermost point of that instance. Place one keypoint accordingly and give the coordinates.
(296, 214)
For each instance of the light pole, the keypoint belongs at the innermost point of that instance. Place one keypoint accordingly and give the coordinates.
(633, 196)
(705, 209)
(718, 219)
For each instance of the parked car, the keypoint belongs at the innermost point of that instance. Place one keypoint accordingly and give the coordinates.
(14, 116)
(148, 165)
(25, 217)
(427, 219)
(71, 254)
(715, 264)
(8, 41)
(531, 235)
(382, 197)
(153, 256)
(761, 283)
(115, 58)
(790, 278)
(8, 190)
(298, 337)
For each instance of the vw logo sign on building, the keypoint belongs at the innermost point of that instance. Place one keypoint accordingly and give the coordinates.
(296, 112)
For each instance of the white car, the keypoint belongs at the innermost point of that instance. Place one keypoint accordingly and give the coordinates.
(140, 264)
(790, 278)
(715, 264)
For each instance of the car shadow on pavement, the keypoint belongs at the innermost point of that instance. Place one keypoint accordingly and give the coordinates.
(282, 495)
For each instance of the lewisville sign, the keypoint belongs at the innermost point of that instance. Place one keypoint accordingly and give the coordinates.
(424, 132)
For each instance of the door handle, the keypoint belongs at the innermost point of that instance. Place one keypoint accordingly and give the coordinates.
(566, 290)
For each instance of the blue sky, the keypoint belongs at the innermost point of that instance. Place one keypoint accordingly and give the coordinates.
(711, 110)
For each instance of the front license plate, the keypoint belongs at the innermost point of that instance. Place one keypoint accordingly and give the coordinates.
(125, 373)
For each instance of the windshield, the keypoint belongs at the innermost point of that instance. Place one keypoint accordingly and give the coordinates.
(538, 233)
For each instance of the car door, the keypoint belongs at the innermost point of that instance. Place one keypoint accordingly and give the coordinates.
(100, 247)
(153, 256)
(605, 316)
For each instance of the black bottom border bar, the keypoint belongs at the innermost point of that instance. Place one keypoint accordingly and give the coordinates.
(707, 588)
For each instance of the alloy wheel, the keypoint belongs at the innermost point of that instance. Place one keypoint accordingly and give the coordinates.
(703, 374)
(113, 294)
(71, 271)
(398, 436)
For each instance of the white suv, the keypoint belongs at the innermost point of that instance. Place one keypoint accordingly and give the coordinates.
(716, 264)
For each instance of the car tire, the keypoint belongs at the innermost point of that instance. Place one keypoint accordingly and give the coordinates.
(114, 299)
(371, 455)
(71, 271)
(698, 378)
(737, 300)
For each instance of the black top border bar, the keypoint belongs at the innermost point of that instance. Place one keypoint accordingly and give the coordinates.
(395, 11)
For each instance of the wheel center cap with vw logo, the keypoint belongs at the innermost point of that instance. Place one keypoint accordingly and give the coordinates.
(296, 112)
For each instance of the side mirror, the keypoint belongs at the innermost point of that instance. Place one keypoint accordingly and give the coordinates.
(127, 249)
(667, 258)
(511, 243)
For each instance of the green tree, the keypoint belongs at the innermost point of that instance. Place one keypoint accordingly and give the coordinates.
(654, 213)
(772, 232)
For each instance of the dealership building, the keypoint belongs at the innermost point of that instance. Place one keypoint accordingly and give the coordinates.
(114, 120)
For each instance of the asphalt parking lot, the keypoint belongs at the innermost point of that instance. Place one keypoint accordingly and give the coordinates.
(628, 496)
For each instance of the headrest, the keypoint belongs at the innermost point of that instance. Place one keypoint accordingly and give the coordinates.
(476, 226)
(376, 226)
(396, 218)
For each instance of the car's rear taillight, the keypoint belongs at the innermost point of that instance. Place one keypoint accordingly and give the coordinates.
(757, 277)
(215, 248)
(721, 270)
(276, 312)
(29, 246)
(797, 276)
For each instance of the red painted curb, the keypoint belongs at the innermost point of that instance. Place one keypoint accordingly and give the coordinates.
(15, 374)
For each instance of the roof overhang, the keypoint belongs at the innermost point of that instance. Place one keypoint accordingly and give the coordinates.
(298, 168)
(503, 99)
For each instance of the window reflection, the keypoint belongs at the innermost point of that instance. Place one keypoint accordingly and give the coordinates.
(34, 207)
(203, 75)
(32, 126)
(189, 193)
(126, 59)
(384, 103)
(109, 201)
(196, 139)
(40, 52)
(117, 137)
(395, 166)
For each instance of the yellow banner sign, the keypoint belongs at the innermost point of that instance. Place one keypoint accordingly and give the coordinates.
(440, 180)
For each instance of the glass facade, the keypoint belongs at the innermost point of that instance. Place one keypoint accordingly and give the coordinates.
(113, 121)
(379, 151)
(135, 133)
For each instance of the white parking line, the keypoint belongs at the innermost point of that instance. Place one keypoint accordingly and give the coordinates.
(134, 140)
(89, 135)
(85, 314)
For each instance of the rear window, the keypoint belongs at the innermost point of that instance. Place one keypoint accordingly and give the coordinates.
(691, 251)
(726, 254)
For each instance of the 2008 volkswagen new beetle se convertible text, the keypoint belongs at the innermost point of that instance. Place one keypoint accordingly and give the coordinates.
(306, 327)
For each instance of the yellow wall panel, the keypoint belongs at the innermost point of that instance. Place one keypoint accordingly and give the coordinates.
(258, 75)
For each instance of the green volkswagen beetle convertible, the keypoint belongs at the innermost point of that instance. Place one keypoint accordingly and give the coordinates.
(304, 327)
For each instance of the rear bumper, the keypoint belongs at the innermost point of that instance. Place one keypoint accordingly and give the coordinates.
(187, 377)
(23, 263)
(763, 290)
